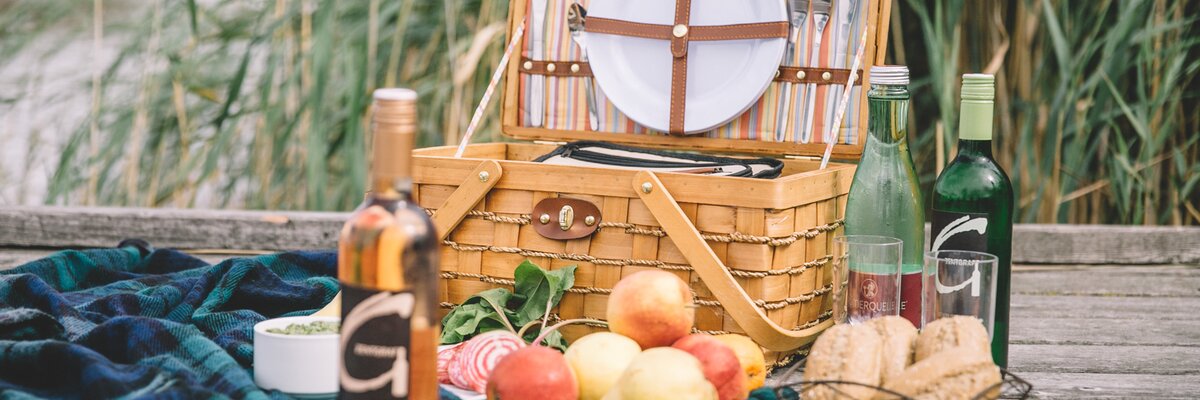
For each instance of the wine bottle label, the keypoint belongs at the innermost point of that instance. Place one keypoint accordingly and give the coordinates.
(873, 293)
(375, 338)
(959, 231)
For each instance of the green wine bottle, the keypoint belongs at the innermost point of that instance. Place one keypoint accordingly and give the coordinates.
(973, 200)
(885, 199)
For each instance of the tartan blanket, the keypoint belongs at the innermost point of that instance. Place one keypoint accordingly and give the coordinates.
(133, 323)
(137, 323)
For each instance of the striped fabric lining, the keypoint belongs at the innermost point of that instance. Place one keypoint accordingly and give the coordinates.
(566, 102)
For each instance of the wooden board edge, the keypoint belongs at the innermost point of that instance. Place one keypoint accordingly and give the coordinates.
(90, 227)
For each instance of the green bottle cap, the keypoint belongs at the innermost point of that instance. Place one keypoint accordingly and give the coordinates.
(978, 87)
(976, 118)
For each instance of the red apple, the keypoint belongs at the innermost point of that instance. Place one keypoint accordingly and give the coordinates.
(533, 373)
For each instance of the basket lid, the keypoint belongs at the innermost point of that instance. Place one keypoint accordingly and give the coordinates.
(737, 98)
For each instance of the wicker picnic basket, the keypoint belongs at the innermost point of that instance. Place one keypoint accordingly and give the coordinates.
(755, 251)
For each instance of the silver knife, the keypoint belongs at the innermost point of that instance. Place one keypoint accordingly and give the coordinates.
(820, 16)
(798, 11)
(537, 83)
(575, 17)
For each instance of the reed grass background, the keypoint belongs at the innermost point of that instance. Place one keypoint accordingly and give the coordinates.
(262, 104)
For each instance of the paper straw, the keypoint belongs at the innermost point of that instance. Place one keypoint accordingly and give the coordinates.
(487, 94)
(841, 110)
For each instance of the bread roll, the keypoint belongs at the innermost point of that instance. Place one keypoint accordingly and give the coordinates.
(846, 353)
(956, 331)
(899, 337)
(953, 373)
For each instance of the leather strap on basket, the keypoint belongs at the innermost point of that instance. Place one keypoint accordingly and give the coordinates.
(679, 35)
(813, 75)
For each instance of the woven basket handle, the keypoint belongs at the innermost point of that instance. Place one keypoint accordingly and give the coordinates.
(477, 185)
(713, 272)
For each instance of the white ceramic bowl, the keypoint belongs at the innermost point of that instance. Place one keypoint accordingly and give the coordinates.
(296, 364)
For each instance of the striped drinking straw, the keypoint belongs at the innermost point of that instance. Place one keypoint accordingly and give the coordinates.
(841, 111)
(487, 94)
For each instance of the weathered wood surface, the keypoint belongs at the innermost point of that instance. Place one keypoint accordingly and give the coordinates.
(176, 228)
(264, 230)
(1107, 332)
(1106, 244)
(1078, 331)
(1070, 339)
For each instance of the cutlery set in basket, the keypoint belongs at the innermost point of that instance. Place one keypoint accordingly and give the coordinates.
(720, 79)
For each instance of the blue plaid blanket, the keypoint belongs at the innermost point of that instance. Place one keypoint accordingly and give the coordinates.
(133, 323)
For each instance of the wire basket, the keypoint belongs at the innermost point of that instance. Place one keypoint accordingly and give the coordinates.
(792, 384)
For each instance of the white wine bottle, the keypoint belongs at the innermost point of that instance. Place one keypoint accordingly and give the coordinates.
(973, 199)
(388, 266)
(885, 199)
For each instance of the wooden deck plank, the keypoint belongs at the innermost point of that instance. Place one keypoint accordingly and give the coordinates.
(1125, 308)
(64, 227)
(1112, 386)
(1104, 332)
(68, 227)
(1106, 244)
(1152, 281)
(1108, 359)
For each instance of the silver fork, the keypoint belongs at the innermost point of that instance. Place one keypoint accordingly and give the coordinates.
(576, 14)
(798, 11)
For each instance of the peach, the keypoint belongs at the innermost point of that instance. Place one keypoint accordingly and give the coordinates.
(533, 373)
(654, 308)
(751, 357)
(720, 364)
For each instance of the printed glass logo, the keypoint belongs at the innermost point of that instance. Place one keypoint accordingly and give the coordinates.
(870, 289)
(380, 305)
(973, 281)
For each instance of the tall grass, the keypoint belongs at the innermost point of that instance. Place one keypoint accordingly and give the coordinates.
(1097, 105)
(262, 104)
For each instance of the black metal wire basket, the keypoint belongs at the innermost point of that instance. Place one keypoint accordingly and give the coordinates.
(791, 385)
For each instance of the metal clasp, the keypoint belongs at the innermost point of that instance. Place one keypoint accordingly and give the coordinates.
(566, 217)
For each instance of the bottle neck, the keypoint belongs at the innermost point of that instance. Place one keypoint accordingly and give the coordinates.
(975, 128)
(888, 113)
(975, 121)
(394, 128)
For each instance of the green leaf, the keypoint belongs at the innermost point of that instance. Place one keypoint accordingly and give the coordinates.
(537, 288)
(476, 315)
(488, 310)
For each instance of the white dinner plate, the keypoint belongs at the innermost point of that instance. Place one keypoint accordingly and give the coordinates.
(724, 77)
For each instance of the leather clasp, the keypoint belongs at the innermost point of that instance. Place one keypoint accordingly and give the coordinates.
(565, 218)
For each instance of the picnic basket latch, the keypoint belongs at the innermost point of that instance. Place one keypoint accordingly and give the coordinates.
(564, 218)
